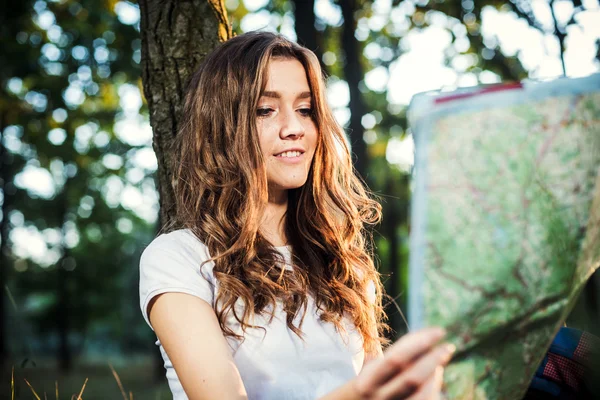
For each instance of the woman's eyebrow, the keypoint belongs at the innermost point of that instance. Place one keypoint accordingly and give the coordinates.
(277, 95)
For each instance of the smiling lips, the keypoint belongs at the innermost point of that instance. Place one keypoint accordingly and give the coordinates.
(292, 153)
(289, 154)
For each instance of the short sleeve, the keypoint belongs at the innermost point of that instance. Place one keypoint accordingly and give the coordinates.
(173, 263)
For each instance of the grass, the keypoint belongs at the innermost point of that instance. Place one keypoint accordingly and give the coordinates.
(134, 380)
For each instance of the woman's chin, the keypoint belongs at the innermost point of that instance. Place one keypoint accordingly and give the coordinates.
(295, 185)
(289, 184)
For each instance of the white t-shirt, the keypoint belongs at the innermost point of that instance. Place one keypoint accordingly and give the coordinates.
(275, 366)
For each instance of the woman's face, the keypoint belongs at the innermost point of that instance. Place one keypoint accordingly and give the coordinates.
(287, 131)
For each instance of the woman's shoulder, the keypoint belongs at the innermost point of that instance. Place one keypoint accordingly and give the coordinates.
(178, 241)
(177, 250)
(175, 262)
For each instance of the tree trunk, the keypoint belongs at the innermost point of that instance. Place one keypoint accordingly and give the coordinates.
(5, 181)
(65, 355)
(390, 227)
(176, 36)
(62, 318)
(304, 17)
(395, 216)
(353, 73)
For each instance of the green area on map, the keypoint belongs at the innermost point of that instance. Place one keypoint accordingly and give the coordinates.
(512, 234)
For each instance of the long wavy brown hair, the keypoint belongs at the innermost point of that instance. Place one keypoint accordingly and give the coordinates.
(221, 193)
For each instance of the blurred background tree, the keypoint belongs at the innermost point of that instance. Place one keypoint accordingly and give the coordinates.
(77, 178)
(78, 195)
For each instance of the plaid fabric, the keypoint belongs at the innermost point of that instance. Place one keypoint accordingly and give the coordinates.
(569, 369)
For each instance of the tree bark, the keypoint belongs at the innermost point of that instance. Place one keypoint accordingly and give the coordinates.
(176, 36)
(354, 73)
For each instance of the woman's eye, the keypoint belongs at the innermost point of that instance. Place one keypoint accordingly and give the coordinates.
(306, 112)
(264, 111)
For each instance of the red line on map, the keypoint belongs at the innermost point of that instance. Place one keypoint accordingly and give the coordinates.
(562, 123)
(490, 89)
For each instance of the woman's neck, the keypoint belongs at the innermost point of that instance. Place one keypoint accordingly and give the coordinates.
(273, 224)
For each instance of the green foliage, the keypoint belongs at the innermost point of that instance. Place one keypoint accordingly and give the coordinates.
(68, 62)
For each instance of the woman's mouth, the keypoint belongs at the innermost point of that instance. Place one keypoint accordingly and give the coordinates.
(289, 154)
(290, 157)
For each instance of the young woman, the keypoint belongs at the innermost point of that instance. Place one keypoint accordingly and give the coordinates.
(266, 288)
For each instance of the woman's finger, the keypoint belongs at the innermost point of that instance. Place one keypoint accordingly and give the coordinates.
(413, 345)
(414, 378)
(432, 389)
(400, 356)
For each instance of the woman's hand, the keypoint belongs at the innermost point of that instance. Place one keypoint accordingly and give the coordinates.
(411, 369)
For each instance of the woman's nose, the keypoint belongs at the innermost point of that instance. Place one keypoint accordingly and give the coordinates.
(292, 125)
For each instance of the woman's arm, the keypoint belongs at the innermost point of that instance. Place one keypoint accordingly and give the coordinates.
(410, 369)
(189, 331)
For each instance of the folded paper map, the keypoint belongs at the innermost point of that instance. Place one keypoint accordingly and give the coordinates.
(505, 223)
